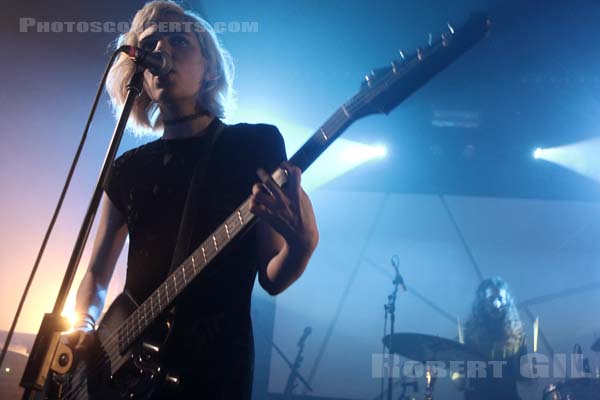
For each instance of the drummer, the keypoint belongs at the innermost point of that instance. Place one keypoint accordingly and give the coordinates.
(495, 330)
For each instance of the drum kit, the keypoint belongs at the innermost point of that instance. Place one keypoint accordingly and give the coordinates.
(433, 352)
(425, 348)
(576, 389)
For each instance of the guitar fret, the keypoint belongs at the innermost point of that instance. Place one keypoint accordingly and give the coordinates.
(240, 217)
(184, 279)
(230, 224)
(322, 131)
(227, 231)
(345, 111)
(215, 242)
(194, 265)
(204, 255)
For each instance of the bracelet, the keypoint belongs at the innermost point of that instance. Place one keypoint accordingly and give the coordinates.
(85, 322)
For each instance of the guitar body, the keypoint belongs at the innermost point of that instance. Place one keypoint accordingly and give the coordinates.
(133, 373)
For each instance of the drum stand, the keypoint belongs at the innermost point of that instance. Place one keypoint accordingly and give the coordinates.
(429, 382)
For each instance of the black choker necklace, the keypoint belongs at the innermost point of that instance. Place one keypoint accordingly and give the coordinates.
(186, 118)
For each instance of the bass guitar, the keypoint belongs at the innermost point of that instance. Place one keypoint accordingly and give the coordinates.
(126, 363)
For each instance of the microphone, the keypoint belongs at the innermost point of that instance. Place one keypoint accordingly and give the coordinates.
(398, 280)
(158, 63)
(305, 334)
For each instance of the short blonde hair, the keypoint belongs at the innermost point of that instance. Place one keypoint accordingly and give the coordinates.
(216, 93)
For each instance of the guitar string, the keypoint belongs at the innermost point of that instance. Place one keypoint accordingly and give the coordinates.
(337, 120)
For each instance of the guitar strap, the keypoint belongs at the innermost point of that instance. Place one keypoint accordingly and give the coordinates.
(198, 185)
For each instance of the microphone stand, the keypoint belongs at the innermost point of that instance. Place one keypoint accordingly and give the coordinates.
(291, 382)
(47, 351)
(390, 310)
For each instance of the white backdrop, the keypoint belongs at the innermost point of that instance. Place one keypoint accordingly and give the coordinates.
(541, 248)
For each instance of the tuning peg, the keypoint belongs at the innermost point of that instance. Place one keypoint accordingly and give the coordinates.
(445, 40)
(369, 76)
(450, 28)
(401, 54)
(419, 54)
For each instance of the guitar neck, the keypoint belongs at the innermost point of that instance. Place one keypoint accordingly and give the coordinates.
(322, 138)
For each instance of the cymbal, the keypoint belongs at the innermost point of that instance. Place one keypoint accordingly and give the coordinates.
(420, 347)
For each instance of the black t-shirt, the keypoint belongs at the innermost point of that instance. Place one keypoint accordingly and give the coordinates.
(149, 186)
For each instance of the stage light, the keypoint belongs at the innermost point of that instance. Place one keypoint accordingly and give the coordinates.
(343, 156)
(580, 157)
(71, 316)
(355, 152)
(7, 370)
(379, 151)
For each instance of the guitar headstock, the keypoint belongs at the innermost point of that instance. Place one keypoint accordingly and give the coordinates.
(384, 88)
